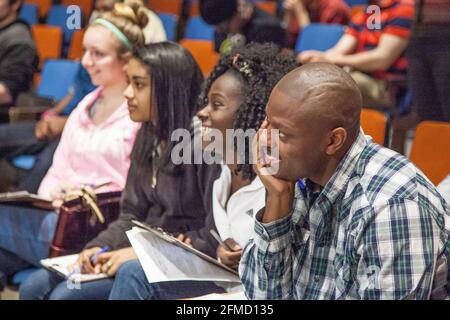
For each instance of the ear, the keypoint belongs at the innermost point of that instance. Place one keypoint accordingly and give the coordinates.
(336, 140)
(126, 57)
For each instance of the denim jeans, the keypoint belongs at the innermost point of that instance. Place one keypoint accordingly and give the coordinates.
(26, 232)
(132, 284)
(44, 284)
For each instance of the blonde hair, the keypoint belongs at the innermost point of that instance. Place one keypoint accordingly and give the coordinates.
(130, 18)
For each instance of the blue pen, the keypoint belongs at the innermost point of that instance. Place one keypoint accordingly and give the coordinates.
(77, 269)
(102, 250)
(301, 184)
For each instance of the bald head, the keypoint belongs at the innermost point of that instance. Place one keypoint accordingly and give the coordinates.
(326, 95)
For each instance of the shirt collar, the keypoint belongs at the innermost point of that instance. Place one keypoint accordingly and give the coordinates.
(338, 181)
(330, 194)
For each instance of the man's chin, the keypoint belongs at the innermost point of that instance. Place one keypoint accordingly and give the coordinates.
(283, 176)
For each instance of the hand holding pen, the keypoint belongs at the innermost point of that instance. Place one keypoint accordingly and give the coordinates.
(88, 258)
(228, 252)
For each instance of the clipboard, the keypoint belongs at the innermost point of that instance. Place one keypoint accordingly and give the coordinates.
(171, 239)
(59, 265)
(24, 198)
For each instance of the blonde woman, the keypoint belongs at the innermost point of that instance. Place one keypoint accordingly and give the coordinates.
(96, 142)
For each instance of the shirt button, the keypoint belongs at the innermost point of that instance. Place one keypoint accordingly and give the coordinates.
(316, 278)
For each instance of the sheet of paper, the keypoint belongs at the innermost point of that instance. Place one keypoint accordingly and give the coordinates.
(163, 261)
(222, 296)
(61, 265)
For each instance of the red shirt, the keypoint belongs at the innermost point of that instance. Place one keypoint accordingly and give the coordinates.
(331, 11)
(396, 19)
(326, 11)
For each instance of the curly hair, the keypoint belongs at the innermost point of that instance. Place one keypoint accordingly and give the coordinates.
(258, 67)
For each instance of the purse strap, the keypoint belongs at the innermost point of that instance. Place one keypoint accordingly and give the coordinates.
(87, 194)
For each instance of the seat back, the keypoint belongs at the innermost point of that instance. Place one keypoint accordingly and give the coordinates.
(431, 149)
(48, 40)
(319, 36)
(58, 16)
(169, 22)
(268, 6)
(203, 52)
(43, 6)
(86, 6)
(374, 124)
(166, 6)
(57, 77)
(76, 45)
(29, 13)
(197, 28)
(22, 275)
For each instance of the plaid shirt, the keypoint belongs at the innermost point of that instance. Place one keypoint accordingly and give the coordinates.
(377, 230)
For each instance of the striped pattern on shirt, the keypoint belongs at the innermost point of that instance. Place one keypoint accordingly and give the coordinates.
(396, 19)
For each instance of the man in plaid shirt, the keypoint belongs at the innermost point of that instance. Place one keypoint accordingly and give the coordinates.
(363, 223)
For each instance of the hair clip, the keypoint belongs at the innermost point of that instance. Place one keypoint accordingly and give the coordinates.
(242, 66)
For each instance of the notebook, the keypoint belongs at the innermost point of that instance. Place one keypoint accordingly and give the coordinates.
(165, 258)
(25, 198)
(171, 239)
(60, 265)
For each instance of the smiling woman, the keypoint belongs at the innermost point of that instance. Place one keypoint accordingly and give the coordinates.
(164, 82)
(234, 97)
(107, 44)
(96, 143)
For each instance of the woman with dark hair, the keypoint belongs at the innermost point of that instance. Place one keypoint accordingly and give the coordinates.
(235, 97)
(164, 83)
(95, 145)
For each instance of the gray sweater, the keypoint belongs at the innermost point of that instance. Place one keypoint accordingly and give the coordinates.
(179, 204)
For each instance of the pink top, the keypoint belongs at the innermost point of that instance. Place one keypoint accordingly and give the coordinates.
(90, 153)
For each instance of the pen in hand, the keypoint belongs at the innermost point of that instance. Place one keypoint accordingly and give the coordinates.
(78, 268)
(93, 258)
(219, 240)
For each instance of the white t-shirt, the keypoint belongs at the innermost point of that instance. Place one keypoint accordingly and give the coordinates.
(154, 30)
(234, 216)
